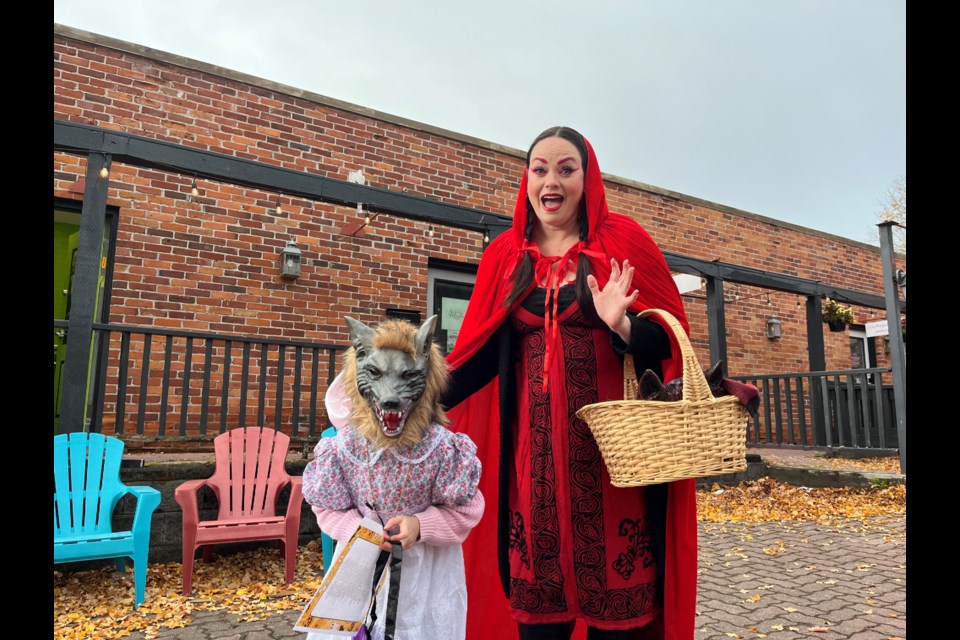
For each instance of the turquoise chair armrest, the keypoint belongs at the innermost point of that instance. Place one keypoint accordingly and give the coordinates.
(148, 499)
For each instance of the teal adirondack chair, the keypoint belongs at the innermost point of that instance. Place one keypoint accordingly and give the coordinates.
(87, 488)
(326, 542)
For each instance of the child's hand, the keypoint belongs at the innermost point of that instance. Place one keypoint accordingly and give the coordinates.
(409, 532)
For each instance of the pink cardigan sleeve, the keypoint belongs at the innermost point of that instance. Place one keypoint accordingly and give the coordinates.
(438, 525)
(449, 525)
(339, 525)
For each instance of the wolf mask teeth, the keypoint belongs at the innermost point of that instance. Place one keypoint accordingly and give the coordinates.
(391, 422)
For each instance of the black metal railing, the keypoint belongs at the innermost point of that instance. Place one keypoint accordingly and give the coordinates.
(167, 383)
(851, 408)
(176, 383)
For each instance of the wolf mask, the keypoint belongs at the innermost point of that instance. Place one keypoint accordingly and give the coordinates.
(393, 375)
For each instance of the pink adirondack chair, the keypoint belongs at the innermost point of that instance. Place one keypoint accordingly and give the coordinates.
(248, 477)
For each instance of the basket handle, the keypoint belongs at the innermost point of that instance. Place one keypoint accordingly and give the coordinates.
(695, 386)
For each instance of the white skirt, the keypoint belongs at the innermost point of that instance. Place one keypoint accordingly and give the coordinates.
(433, 597)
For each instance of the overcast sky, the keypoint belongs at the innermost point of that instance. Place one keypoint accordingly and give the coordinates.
(792, 110)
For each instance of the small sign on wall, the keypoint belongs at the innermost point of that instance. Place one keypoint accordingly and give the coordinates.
(877, 328)
(451, 317)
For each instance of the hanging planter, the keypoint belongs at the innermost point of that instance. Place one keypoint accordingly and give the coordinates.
(836, 315)
(837, 325)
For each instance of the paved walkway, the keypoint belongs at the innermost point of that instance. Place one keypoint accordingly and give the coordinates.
(780, 581)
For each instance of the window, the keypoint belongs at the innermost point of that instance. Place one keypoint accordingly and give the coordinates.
(448, 292)
(863, 353)
(413, 317)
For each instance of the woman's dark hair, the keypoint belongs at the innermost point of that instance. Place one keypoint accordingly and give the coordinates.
(524, 274)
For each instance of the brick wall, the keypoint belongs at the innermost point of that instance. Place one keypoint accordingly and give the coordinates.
(209, 263)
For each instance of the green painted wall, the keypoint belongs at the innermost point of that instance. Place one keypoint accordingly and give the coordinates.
(65, 238)
(61, 265)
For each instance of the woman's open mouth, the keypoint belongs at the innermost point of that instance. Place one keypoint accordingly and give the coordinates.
(551, 202)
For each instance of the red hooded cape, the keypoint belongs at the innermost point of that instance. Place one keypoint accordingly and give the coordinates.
(611, 235)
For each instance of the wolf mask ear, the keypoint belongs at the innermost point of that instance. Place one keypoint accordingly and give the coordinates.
(714, 374)
(360, 336)
(424, 339)
(649, 386)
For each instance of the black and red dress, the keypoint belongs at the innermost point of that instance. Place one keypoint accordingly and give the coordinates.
(562, 542)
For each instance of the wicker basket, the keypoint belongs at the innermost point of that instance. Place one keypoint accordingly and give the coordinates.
(648, 442)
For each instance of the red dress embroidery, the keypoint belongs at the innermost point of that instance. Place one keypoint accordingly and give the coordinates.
(578, 545)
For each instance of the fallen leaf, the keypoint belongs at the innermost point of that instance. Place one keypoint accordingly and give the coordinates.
(754, 598)
(790, 609)
(775, 549)
(818, 629)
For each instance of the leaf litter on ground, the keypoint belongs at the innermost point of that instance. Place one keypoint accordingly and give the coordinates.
(98, 603)
(766, 500)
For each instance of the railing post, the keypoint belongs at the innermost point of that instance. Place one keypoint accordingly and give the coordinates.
(897, 358)
(817, 362)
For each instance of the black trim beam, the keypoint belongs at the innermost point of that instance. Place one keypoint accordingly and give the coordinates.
(167, 156)
(716, 321)
(774, 281)
(77, 138)
(80, 329)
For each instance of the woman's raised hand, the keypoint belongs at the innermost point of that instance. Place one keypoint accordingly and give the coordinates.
(615, 298)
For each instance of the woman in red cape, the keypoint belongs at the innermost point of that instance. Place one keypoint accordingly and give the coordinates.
(563, 544)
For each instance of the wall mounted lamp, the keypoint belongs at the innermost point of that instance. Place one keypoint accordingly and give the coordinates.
(774, 329)
(290, 261)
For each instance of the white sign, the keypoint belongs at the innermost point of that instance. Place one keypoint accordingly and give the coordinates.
(451, 313)
(451, 317)
(687, 283)
(877, 328)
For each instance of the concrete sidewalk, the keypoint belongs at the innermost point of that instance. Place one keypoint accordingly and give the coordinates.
(781, 581)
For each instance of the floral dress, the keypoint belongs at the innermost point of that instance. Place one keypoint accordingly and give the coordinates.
(348, 473)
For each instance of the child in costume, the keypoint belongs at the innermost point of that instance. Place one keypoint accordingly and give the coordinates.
(393, 461)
